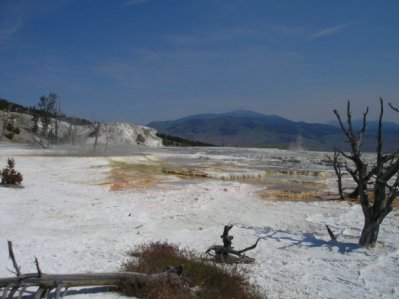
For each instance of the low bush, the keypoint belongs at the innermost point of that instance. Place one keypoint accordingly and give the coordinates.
(9, 175)
(140, 139)
(201, 278)
(11, 129)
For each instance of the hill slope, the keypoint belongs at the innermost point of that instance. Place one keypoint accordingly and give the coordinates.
(28, 125)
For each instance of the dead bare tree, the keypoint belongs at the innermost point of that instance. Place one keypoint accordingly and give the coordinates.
(226, 254)
(97, 126)
(45, 283)
(108, 135)
(377, 200)
(72, 133)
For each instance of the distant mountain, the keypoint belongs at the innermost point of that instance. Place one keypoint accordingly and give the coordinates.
(252, 129)
(22, 124)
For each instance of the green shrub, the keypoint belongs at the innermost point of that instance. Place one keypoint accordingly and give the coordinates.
(11, 129)
(140, 139)
(9, 135)
(209, 280)
(9, 175)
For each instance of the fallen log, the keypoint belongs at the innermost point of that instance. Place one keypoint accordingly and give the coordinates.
(83, 279)
(9, 286)
(48, 282)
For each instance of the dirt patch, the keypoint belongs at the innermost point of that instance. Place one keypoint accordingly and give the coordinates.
(122, 183)
(148, 174)
(125, 175)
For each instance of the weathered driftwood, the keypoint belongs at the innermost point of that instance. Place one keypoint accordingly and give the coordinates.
(48, 282)
(226, 254)
(9, 286)
(81, 280)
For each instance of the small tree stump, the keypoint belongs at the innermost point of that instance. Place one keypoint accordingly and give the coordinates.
(226, 254)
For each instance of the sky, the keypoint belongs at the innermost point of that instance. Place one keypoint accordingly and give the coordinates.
(148, 60)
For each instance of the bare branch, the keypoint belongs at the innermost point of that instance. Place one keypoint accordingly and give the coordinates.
(379, 144)
(13, 272)
(359, 142)
(396, 184)
(390, 157)
(333, 238)
(39, 271)
(341, 124)
(390, 171)
(14, 261)
(343, 154)
(245, 249)
(14, 289)
(393, 191)
(364, 125)
(349, 116)
(337, 168)
(353, 173)
(225, 236)
(355, 143)
(393, 108)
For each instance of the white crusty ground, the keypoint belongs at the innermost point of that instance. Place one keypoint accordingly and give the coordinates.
(67, 217)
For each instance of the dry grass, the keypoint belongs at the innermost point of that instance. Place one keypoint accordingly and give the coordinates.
(395, 203)
(294, 191)
(291, 195)
(202, 279)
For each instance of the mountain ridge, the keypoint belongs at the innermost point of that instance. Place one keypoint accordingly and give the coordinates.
(252, 129)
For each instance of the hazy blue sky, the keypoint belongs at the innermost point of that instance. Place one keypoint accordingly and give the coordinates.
(144, 60)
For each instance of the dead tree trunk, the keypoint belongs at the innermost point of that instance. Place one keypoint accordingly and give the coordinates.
(379, 176)
(226, 253)
(370, 232)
